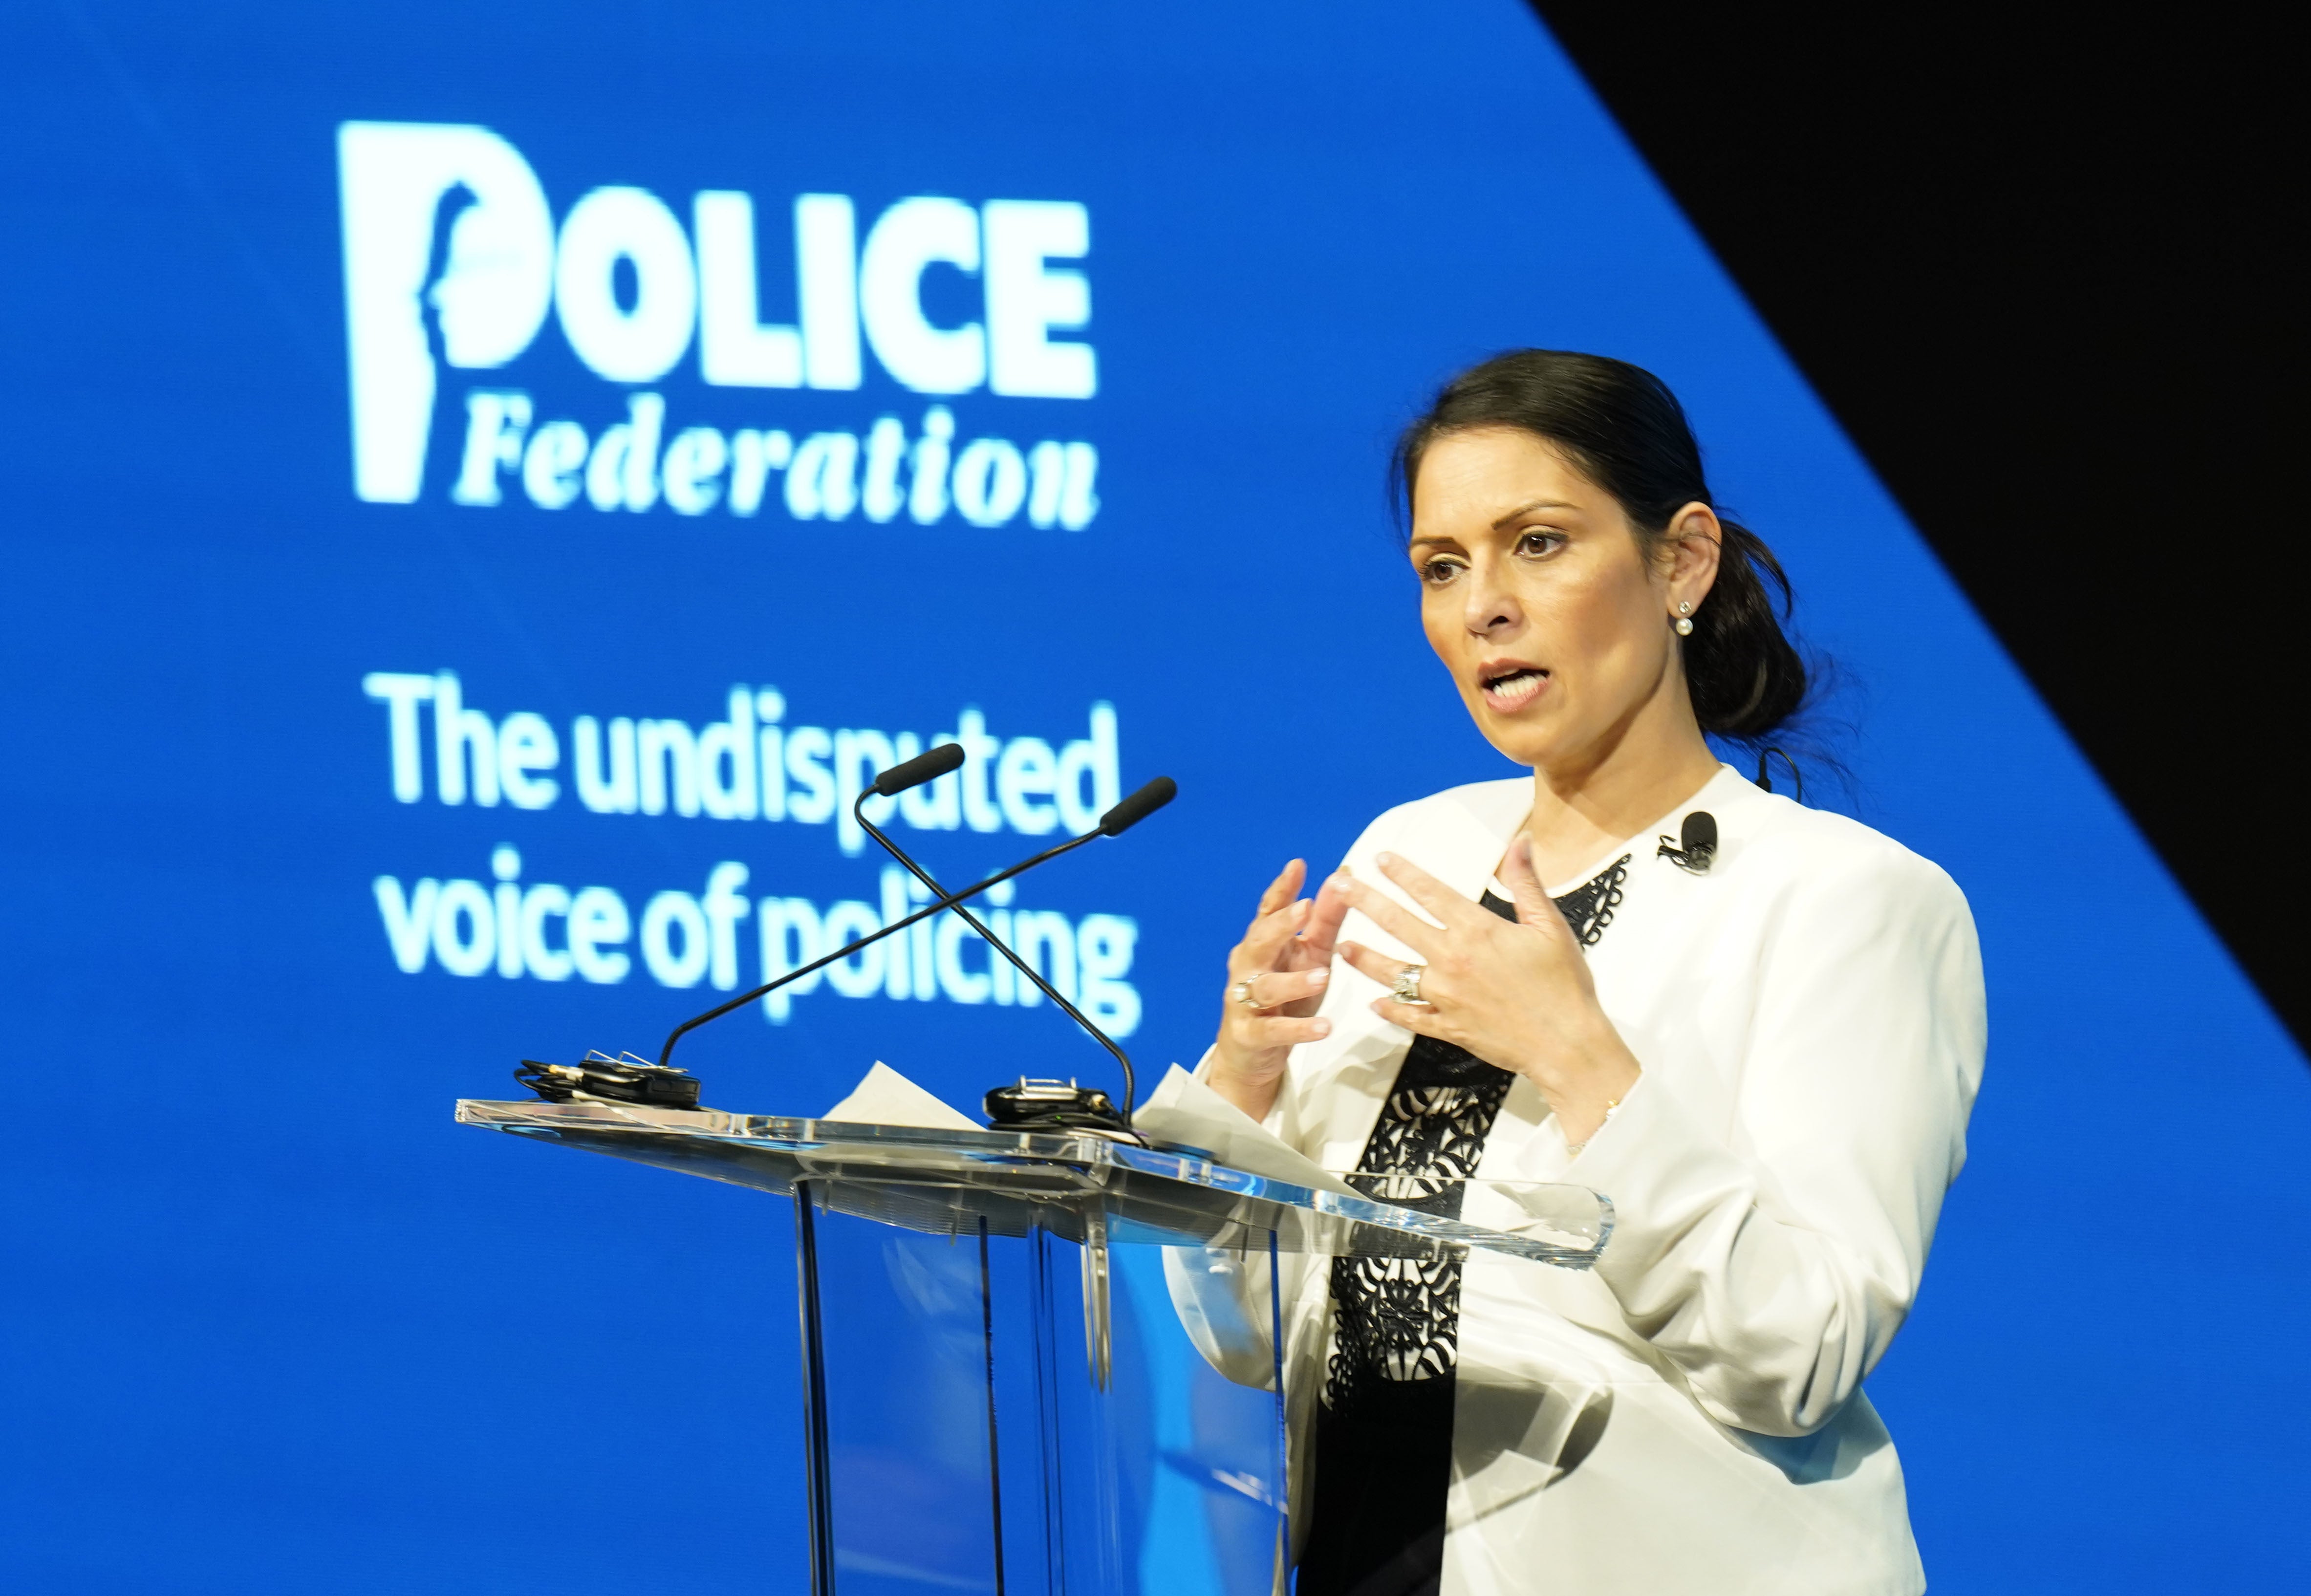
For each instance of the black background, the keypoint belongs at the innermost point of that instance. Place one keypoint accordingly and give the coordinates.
(2047, 273)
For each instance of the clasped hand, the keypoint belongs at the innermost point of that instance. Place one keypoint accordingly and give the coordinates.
(1516, 994)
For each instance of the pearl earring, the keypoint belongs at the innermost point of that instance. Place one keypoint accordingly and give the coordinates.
(1684, 626)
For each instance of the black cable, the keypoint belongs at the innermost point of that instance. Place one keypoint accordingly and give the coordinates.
(1797, 776)
(599, 1078)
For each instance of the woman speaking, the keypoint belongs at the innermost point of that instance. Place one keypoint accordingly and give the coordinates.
(1763, 1055)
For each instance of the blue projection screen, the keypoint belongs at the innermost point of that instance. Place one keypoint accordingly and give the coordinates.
(485, 486)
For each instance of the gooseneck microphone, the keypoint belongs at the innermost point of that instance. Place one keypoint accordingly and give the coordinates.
(929, 765)
(939, 761)
(1138, 806)
(1131, 810)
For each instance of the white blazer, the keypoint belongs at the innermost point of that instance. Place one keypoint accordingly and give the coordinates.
(1687, 1417)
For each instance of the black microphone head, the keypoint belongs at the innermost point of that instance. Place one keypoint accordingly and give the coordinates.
(1699, 834)
(1139, 805)
(924, 767)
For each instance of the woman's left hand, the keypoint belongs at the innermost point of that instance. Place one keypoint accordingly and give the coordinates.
(1516, 994)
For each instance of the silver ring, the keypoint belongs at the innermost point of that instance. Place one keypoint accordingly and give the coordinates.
(1406, 989)
(1241, 992)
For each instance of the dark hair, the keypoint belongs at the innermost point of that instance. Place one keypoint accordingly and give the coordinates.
(1623, 429)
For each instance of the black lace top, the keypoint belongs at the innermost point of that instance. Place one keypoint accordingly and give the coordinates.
(1385, 1433)
(1396, 1318)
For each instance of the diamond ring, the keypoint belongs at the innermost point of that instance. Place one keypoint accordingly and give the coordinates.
(1406, 989)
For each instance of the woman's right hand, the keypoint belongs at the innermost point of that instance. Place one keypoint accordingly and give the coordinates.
(1277, 977)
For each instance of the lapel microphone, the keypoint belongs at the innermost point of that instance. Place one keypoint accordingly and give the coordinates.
(1696, 848)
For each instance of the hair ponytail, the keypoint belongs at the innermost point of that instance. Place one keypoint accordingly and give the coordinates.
(1745, 675)
(1626, 432)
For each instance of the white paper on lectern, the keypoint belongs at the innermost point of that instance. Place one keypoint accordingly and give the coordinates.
(883, 1097)
(1184, 1110)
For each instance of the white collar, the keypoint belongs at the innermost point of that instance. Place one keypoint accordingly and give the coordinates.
(1463, 847)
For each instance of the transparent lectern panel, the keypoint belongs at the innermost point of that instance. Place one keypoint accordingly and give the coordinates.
(1000, 1383)
(903, 1393)
(1559, 1224)
(1216, 1512)
(1017, 1414)
(942, 1181)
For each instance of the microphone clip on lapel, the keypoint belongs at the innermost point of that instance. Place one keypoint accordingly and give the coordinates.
(1697, 849)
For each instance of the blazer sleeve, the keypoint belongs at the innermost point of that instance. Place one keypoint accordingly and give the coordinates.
(1222, 1296)
(1773, 1262)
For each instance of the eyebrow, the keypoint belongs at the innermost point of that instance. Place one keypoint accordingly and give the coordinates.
(1525, 510)
(1522, 509)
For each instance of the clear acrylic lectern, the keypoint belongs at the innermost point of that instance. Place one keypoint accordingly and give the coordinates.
(998, 1393)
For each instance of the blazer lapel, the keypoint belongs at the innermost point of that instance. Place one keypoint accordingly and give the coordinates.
(1463, 848)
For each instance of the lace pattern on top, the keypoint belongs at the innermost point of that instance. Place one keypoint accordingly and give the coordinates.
(1400, 1317)
(1589, 907)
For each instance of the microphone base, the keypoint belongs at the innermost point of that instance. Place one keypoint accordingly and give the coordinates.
(599, 1078)
(1047, 1106)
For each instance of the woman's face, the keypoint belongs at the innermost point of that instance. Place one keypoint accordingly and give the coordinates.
(1537, 597)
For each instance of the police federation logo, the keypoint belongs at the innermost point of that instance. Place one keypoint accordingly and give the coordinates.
(455, 263)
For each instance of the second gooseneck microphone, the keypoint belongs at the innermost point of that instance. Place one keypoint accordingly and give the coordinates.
(934, 762)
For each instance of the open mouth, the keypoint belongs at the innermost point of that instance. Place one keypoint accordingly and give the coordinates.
(1510, 688)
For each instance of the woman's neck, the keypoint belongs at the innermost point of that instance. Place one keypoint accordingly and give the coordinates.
(1578, 812)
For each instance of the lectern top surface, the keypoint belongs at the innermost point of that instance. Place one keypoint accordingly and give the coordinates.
(1076, 1185)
